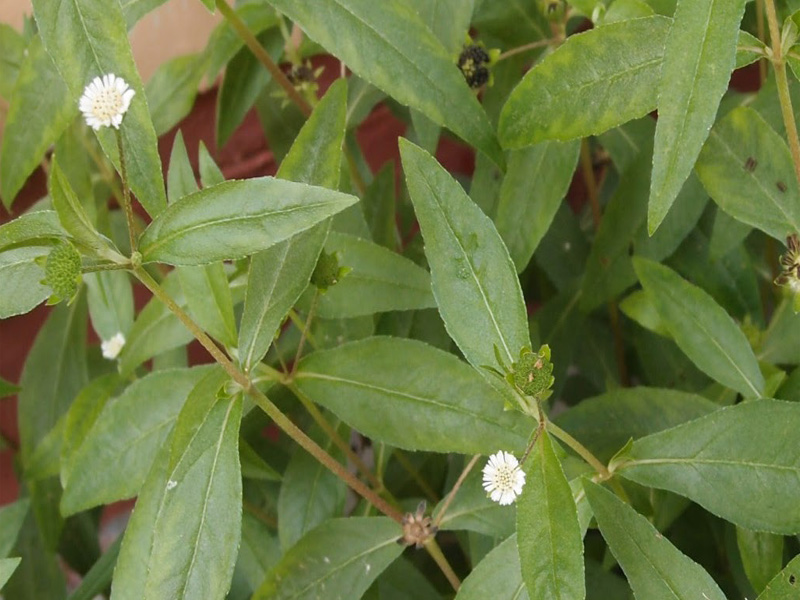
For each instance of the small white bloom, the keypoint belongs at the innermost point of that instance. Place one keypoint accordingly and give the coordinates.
(105, 101)
(502, 478)
(111, 348)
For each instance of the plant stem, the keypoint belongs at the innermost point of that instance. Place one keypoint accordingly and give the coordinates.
(762, 63)
(258, 50)
(455, 489)
(106, 267)
(438, 556)
(265, 403)
(304, 331)
(524, 48)
(126, 194)
(331, 432)
(779, 63)
(580, 449)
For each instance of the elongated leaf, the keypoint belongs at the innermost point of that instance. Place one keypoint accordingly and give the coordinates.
(245, 78)
(12, 516)
(127, 434)
(167, 552)
(605, 423)
(655, 569)
(99, 577)
(593, 82)
(235, 219)
(699, 56)
(747, 169)
(87, 39)
(20, 278)
(380, 281)
(549, 540)
(32, 228)
(7, 568)
(784, 585)
(380, 208)
(310, 494)
(39, 111)
(136, 9)
(319, 565)
(172, 89)
(450, 405)
(497, 576)
(279, 275)
(762, 556)
(155, 330)
(474, 280)
(396, 52)
(73, 217)
(7, 388)
(701, 328)
(473, 510)
(110, 296)
(712, 459)
(39, 574)
(536, 182)
(12, 48)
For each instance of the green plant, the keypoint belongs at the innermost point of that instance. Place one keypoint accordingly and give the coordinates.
(642, 420)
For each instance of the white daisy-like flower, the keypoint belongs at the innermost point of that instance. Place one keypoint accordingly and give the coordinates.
(112, 347)
(503, 478)
(105, 100)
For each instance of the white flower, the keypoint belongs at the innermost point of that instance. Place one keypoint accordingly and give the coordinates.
(502, 478)
(111, 348)
(105, 101)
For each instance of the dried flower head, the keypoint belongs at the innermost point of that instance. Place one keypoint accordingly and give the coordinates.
(105, 101)
(503, 479)
(112, 347)
(417, 527)
(474, 63)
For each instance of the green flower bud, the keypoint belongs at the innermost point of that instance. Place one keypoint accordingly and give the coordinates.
(62, 272)
(533, 373)
(327, 273)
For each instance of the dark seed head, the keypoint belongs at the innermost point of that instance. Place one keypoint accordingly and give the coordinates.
(473, 62)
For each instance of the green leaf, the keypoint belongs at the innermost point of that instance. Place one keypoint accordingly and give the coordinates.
(253, 466)
(549, 540)
(73, 216)
(7, 568)
(701, 328)
(380, 281)
(12, 49)
(605, 423)
(497, 576)
(245, 78)
(400, 55)
(699, 56)
(435, 402)
(136, 9)
(747, 169)
(169, 552)
(474, 280)
(40, 109)
(20, 277)
(81, 416)
(533, 188)
(32, 228)
(447, 19)
(110, 296)
(595, 81)
(127, 434)
(762, 556)
(259, 552)
(12, 516)
(172, 89)
(379, 208)
(279, 275)
(310, 493)
(98, 578)
(210, 173)
(40, 574)
(7, 388)
(784, 585)
(87, 39)
(235, 219)
(224, 42)
(655, 569)
(155, 330)
(711, 459)
(319, 565)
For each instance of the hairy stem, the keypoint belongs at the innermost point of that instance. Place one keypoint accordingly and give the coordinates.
(304, 331)
(281, 420)
(524, 48)
(455, 489)
(779, 63)
(126, 193)
(580, 449)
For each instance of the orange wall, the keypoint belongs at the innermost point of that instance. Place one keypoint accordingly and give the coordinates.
(177, 27)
